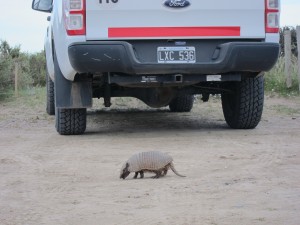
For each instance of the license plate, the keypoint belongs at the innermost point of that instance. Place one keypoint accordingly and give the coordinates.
(176, 55)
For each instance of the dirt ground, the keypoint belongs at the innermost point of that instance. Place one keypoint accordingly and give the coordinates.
(233, 176)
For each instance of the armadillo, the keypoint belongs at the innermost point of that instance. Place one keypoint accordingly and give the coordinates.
(153, 161)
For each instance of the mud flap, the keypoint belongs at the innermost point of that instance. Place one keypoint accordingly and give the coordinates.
(70, 94)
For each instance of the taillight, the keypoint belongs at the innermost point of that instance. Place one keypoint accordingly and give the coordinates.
(272, 16)
(74, 16)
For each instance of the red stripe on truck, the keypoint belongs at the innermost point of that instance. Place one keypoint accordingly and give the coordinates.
(121, 32)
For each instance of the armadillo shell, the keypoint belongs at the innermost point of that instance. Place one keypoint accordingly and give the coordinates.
(153, 160)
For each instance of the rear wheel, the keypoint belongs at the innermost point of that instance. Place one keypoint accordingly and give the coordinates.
(244, 106)
(182, 103)
(70, 121)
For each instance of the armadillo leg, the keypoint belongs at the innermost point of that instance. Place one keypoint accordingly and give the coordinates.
(165, 172)
(158, 174)
(135, 175)
(141, 174)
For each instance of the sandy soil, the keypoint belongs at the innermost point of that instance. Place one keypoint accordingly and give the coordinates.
(233, 176)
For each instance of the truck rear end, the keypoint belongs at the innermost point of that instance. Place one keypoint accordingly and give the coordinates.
(164, 53)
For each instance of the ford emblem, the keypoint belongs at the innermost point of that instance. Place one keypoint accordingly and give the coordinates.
(177, 3)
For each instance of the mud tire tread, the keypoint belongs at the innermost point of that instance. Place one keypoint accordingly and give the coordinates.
(182, 103)
(70, 121)
(50, 106)
(243, 109)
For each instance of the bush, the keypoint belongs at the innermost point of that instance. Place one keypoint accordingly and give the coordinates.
(7, 57)
(31, 69)
(6, 66)
(37, 68)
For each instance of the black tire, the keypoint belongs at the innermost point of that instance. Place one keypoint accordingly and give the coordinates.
(70, 121)
(50, 107)
(182, 103)
(244, 106)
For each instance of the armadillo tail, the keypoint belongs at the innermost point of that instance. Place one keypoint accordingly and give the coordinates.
(174, 170)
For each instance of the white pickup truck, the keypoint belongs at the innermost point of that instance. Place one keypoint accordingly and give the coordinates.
(162, 52)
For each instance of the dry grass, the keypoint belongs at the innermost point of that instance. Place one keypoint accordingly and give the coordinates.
(275, 80)
(34, 97)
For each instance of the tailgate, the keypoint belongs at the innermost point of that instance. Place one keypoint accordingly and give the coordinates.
(157, 19)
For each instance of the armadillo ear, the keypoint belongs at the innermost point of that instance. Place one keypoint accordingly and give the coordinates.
(127, 165)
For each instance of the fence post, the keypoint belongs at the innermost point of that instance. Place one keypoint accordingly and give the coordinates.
(288, 57)
(298, 45)
(16, 79)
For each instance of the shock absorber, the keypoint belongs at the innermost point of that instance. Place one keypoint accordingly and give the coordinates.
(107, 91)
